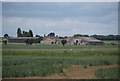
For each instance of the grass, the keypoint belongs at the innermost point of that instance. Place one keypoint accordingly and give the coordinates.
(111, 42)
(109, 73)
(20, 60)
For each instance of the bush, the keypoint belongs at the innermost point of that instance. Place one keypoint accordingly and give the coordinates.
(112, 43)
(29, 41)
(90, 64)
(4, 42)
(64, 74)
(63, 42)
(84, 66)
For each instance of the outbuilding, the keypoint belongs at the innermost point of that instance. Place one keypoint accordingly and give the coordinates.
(20, 39)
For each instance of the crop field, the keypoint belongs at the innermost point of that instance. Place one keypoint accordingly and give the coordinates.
(109, 73)
(21, 60)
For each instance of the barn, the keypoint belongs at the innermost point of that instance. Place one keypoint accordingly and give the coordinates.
(20, 39)
(88, 41)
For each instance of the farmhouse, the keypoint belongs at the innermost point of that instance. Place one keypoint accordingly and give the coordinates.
(71, 40)
(20, 39)
(50, 40)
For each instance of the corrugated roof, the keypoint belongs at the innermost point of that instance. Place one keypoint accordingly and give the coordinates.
(89, 39)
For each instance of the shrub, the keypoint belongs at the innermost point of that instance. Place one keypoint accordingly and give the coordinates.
(4, 42)
(29, 41)
(84, 66)
(90, 64)
(64, 74)
(63, 42)
(106, 62)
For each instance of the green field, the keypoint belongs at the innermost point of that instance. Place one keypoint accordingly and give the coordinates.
(20, 60)
(109, 73)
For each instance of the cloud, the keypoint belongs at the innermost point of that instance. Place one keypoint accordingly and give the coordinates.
(63, 18)
(58, 9)
(67, 26)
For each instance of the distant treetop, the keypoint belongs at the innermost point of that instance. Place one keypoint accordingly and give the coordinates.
(24, 33)
(6, 36)
(77, 35)
(52, 34)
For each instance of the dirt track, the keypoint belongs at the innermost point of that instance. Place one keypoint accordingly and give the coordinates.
(74, 72)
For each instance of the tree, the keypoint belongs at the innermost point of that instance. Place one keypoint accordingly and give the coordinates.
(37, 36)
(51, 34)
(24, 34)
(19, 32)
(6, 36)
(65, 37)
(63, 42)
(4, 42)
(77, 35)
(31, 33)
(31, 41)
(27, 41)
(86, 35)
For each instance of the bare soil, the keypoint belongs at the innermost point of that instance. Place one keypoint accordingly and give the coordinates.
(73, 72)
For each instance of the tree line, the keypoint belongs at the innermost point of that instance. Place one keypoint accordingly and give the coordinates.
(100, 37)
(107, 37)
(24, 33)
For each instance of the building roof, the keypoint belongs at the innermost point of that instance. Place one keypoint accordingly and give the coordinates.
(68, 38)
(23, 37)
(89, 39)
(48, 37)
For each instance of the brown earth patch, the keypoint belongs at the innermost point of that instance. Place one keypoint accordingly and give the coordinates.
(73, 72)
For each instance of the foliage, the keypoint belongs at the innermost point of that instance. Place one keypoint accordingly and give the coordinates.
(40, 38)
(30, 41)
(84, 66)
(31, 33)
(27, 41)
(19, 32)
(86, 35)
(111, 42)
(100, 37)
(30, 65)
(6, 36)
(108, 73)
(20, 60)
(77, 35)
(63, 42)
(52, 34)
(63, 37)
(64, 74)
(107, 37)
(4, 42)
(24, 33)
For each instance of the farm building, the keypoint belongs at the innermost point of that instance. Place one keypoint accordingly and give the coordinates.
(72, 41)
(83, 41)
(69, 41)
(21, 39)
(87, 41)
(50, 40)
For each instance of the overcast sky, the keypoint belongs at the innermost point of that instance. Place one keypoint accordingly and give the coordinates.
(63, 18)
